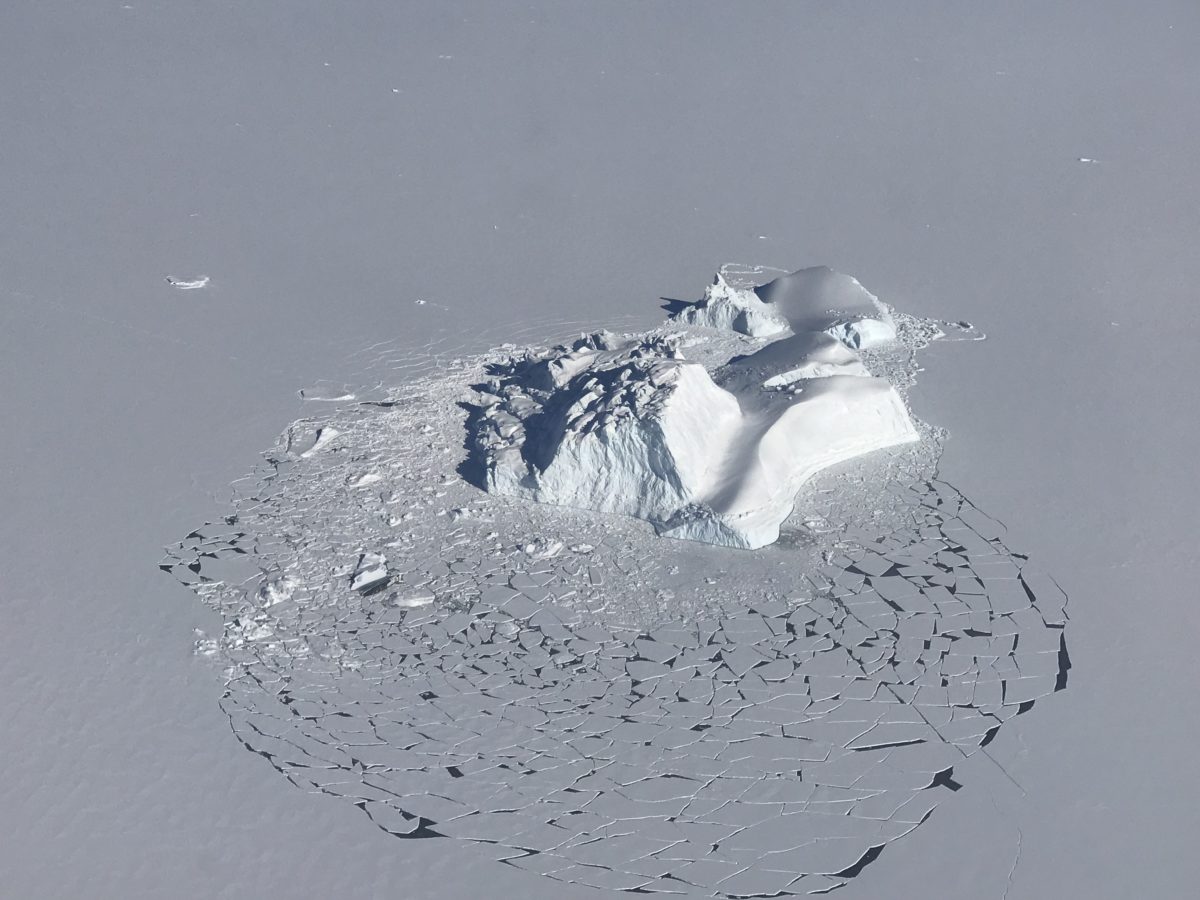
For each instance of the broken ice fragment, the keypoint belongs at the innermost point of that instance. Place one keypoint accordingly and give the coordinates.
(413, 600)
(277, 590)
(188, 284)
(543, 549)
(324, 436)
(370, 573)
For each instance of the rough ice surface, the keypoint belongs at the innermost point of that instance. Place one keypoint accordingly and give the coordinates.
(737, 309)
(809, 300)
(632, 425)
(595, 704)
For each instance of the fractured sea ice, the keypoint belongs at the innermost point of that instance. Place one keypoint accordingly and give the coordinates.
(582, 700)
(630, 425)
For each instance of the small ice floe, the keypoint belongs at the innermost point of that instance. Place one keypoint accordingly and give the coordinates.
(188, 284)
(540, 548)
(370, 574)
(324, 437)
(421, 301)
(961, 330)
(414, 600)
(1087, 159)
(327, 394)
(204, 646)
(277, 590)
(242, 630)
(366, 479)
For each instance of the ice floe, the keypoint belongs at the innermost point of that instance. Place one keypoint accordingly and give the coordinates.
(188, 284)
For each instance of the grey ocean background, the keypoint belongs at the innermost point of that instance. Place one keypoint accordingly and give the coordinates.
(329, 164)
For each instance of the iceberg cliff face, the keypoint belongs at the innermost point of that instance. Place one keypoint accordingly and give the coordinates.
(630, 430)
(629, 426)
(735, 309)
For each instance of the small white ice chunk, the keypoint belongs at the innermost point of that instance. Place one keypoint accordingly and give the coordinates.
(324, 437)
(370, 572)
(188, 284)
(413, 600)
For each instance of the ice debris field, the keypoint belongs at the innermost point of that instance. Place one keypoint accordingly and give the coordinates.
(460, 606)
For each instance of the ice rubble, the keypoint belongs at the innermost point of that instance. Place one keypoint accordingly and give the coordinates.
(629, 425)
(593, 704)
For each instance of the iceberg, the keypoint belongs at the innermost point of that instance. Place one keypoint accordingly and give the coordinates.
(816, 299)
(628, 425)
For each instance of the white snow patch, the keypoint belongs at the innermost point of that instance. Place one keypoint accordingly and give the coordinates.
(277, 590)
(543, 549)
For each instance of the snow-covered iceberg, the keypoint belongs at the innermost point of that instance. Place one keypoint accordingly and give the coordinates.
(815, 299)
(711, 450)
